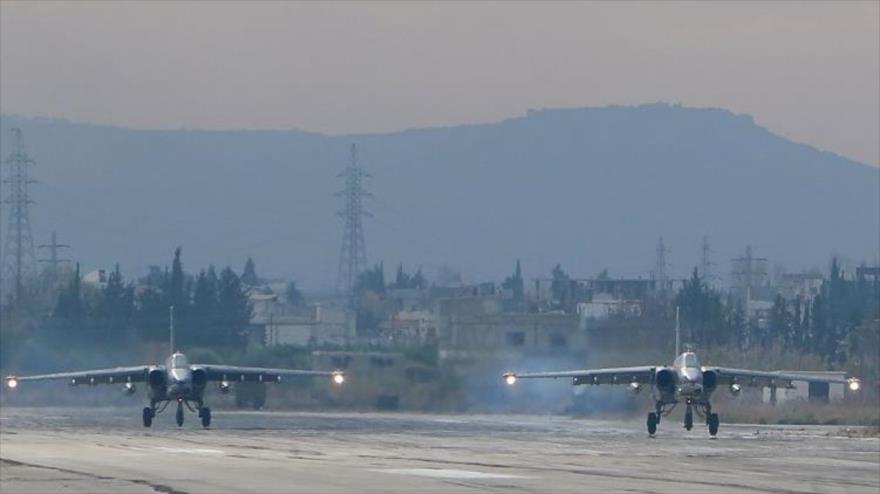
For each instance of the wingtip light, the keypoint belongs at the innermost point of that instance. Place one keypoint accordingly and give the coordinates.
(338, 377)
(510, 378)
(854, 385)
(11, 382)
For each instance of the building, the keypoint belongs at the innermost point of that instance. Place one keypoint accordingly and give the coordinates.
(803, 286)
(275, 323)
(546, 332)
(805, 391)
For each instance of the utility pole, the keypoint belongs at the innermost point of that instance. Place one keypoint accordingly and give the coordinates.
(353, 255)
(749, 272)
(706, 261)
(19, 261)
(660, 266)
(53, 260)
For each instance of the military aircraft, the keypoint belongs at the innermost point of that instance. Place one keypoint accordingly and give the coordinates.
(176, 381)
(686, 380)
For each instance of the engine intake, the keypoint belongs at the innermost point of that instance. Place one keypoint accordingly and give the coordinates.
(710, 381)
(199, 378)
(666, 381)
(156, 378)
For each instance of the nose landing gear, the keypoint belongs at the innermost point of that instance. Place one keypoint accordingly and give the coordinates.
(179, 415)
(689, 417)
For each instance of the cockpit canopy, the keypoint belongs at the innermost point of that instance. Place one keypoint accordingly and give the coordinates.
(689, 360)
(178, 361)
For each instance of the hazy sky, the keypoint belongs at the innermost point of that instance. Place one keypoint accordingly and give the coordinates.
(809, 71)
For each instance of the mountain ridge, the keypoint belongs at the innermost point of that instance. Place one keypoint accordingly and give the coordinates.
(588, 187)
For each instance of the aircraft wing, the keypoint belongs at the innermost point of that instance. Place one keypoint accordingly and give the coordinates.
(97, 376)
(615, 375)
(261, 374)
(771, 378)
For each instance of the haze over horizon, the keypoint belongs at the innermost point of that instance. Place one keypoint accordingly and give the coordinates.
(808, 71)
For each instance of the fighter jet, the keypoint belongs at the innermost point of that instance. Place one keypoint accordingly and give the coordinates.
(176, 381)
(685, 381)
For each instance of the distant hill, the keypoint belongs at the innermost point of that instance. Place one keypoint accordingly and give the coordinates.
(589, 188)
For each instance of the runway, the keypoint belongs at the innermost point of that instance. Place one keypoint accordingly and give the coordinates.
(107, 450)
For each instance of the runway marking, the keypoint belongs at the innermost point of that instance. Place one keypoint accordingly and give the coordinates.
(445, 473)
(190, 450)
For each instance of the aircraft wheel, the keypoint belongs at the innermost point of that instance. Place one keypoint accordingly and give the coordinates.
(179, 415)
(652, 423)
(689, 419)
(713, 424)
(148, 416)
(205, 415)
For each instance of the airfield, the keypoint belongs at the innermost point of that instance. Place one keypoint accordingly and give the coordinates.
(106, 450)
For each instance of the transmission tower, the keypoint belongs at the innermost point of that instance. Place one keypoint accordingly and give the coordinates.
(19, 261)
(53, 261)
(353, 256)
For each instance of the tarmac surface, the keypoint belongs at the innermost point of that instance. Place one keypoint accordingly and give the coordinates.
(106, 450)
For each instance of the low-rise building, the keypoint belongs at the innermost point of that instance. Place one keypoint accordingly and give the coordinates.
(807, 391)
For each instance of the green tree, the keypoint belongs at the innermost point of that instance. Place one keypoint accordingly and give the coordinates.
(402, 279)
(115, 307)
(175, 287)
(372, 280)
(249, 275)
(235, 309)
(293, 295)
(780, 322)
(701, 311)
(203, 313)
(559, 284)
(70, 302)
(516, 285)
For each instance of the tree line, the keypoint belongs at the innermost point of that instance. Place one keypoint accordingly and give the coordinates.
(834, 324)
(211, 309)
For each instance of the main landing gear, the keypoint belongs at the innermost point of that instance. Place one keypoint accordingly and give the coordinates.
(712, 420)
(150, 412)
(702, 409)
(655, 416)
(205, 415)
